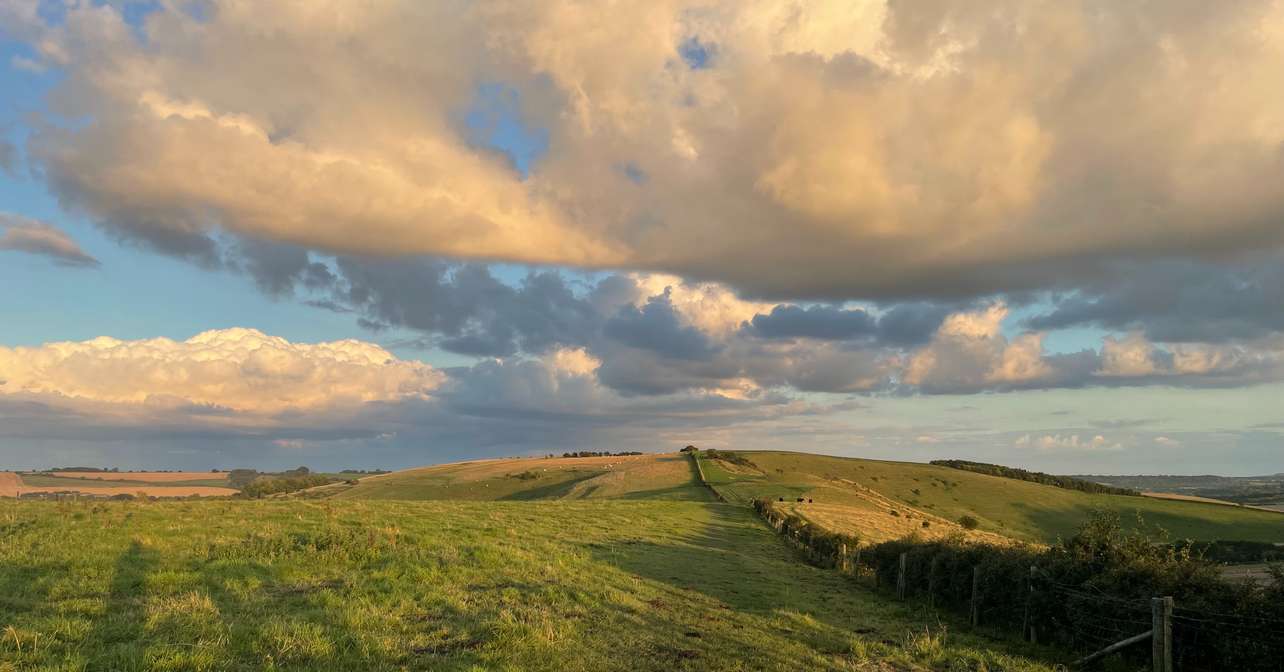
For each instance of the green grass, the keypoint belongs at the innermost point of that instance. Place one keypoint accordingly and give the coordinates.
(113, 480)
(666, 477)
(1019, 509)
(374, 585)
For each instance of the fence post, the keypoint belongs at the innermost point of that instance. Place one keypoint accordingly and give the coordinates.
(900, 578)
(842, 558)
(1027, 622)
(931, 582)
(1161, 639)
(976, 595)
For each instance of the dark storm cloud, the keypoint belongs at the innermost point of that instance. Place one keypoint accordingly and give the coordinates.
(821, 322)
(464, 308)
(656, 327)
(1177, 301)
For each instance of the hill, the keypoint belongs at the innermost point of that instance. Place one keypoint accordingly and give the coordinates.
(653, 476)
(379, 585)
(1023, 510)
(1261, 491)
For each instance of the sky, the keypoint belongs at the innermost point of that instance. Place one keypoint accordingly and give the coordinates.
(1042, 234)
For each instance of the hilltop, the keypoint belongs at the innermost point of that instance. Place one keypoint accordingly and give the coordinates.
(668, 476)
(879, 499)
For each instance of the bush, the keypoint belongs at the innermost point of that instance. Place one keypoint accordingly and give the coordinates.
(1096, 585)
(271, 486)
(969, 523)
(732, 458)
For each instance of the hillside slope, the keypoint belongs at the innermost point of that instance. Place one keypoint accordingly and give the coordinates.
(655, 476)
(1019, 509)
(445, 586)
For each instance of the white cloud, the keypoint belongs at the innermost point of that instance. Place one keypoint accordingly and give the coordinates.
(836, 148)
(242, 370)
(970, 351)
(1167, 442)
(1071, 442)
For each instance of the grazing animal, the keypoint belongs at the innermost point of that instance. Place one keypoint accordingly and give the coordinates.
(800, 499)
(809, 500)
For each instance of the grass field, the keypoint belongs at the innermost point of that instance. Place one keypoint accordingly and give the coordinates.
(1018, 509)
(97, 483)
(665, 476)
(376, 585)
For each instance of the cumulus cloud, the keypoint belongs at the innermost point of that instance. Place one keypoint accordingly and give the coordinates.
(22, 234)
(849, 150)
(230, 370)
(969, 351)
(1071, 442)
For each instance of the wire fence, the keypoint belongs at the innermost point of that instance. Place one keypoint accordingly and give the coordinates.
(1021, 590)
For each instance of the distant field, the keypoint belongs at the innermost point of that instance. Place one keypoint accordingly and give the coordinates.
(9, 484)
(1019, 509)
(668, 476)
(108, 484)
(450, 586)
(147, 476)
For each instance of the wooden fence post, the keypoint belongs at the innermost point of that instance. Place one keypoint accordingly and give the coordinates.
(1027, 622)
(1161, 637)
(900, 578)
(931, 582)
(976, 596)
(842, 558)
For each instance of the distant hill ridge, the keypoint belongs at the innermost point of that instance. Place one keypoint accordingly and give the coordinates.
(1067, 482)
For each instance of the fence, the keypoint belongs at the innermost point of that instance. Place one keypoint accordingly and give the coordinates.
(1050, 600)
(695, 458)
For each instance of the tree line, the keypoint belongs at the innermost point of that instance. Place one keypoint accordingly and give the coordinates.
(1066, 482)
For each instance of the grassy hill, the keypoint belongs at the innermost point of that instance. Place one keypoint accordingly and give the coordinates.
(378, 585)
(866, 490)
(666, 476)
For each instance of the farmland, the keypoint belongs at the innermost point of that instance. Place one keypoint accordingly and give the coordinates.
(107, 484)
(380, 585)
(582, 563)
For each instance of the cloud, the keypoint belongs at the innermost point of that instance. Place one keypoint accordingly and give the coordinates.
(969, 351)
(229, 371)
(853, 150)
(22, 234)
(1177, 301)
(1070, 442)
(1167, 442)
(823, 322)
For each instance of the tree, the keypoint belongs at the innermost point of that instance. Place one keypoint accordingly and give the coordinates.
(690, 449)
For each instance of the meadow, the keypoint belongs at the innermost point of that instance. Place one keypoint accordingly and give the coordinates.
(1018, 509)
(380, 585)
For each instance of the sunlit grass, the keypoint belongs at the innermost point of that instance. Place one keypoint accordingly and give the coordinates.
(321, 585)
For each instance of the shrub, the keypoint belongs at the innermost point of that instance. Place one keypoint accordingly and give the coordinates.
(270, 486)
(969, 523)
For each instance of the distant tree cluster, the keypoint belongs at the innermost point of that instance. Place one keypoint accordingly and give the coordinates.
(272, 485)
(1066, 482)
(101, 470)
(733, 458)
(589, 453)
(690, 449)
(371, 472)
